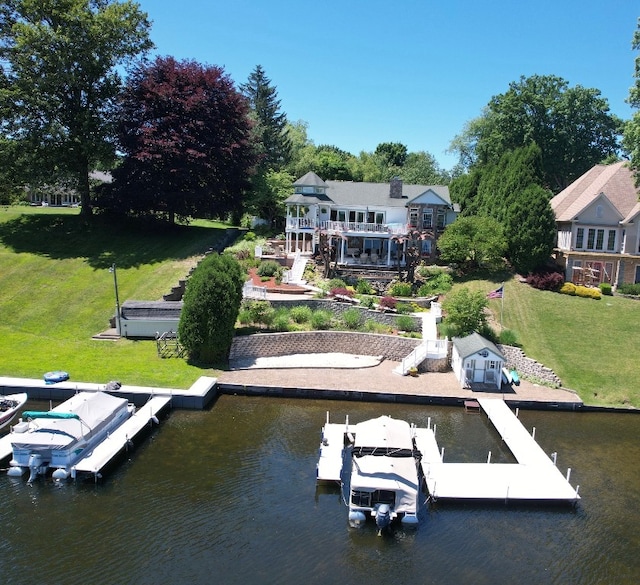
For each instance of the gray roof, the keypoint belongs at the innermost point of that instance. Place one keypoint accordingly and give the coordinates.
(350, 193)
(151, 309)
(474, 343)
(310, 180)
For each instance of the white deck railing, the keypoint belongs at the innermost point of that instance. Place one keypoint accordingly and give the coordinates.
(295, 223)
(251, 291)
(430, 348)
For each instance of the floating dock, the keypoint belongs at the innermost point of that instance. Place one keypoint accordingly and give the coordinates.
(534, 478)
(102, 454)
(329, 466)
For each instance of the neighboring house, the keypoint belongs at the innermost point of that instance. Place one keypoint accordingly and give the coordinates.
(475, 360)
(598, 222)
(60, 195)
(366, 222)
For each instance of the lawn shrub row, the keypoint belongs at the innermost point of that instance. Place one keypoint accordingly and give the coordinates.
(568, 288)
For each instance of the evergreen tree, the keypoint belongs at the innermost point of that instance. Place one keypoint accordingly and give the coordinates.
(531, 226)
(270, 131)
(210, 309)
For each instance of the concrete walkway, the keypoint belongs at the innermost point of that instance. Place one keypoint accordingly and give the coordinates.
(322, 372)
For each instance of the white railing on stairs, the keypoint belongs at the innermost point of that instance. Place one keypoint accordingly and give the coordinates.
(430, 348)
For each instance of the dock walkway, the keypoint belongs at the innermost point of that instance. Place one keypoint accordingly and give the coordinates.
(534, 478)
(103, 453)
(331, 451)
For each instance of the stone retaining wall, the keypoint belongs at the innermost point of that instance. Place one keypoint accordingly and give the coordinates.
(278, 344)
(527, 367)
(338, 309)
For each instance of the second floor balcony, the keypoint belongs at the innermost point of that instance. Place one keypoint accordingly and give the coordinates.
(345, 227)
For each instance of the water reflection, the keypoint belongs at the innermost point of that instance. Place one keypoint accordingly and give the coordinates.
(229, 496)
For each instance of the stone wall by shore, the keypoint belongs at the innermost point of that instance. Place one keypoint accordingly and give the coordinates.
(527, 367)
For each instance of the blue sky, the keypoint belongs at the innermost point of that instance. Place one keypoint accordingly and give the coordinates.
(362, 72)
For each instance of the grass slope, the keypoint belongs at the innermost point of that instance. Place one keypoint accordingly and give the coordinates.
(57, 291)
(591, 345)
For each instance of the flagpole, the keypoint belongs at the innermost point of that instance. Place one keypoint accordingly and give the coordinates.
(501, 306)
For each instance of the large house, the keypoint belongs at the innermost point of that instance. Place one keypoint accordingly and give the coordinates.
(598, 223)
(366, 223)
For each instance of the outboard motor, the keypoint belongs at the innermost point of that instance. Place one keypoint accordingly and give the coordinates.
(35, 464)
(383, 517)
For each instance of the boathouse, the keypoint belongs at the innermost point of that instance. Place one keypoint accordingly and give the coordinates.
(476, 360)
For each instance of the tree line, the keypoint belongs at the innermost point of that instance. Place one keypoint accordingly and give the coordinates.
(183, 141)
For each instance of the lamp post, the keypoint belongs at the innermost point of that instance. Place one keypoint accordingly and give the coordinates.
(115, 285)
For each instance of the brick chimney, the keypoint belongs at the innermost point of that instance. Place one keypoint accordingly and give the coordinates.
(395, 188)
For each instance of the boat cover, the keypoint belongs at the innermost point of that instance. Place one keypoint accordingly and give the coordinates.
(372, 472)
(94, 411)
(383, 431)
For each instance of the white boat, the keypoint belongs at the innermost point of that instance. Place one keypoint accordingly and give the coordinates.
(59, 438)
(9, 407)
(385, 481)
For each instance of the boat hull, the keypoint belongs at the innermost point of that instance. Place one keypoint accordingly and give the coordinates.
(9, 407)
(58, 439)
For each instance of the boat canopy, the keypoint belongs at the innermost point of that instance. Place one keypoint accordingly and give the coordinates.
(48, 414)
(383, 432)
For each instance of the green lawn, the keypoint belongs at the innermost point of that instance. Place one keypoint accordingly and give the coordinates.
(591, 345)
(57, 291)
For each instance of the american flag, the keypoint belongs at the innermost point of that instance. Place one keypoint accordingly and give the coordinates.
(496, 294)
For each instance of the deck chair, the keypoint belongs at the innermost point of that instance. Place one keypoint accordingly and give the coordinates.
(364, 258)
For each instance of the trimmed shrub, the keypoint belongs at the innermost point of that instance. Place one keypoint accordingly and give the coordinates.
(352, 318)
(546, 280)
(629, 289)
(281, 320)
(321, 319)
(336, 283)
(363, 287)
(588, 292)
(568, 288)
(605, 289)
(301, 314)
(211, 305)
(406, 323)
(269, 268)
(368, 302)
(400, 289)
(387, 303)
(345, 292)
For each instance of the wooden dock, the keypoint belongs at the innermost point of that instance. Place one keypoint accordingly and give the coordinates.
(534, 478)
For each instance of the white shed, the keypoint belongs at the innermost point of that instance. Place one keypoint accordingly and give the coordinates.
(476, 360)
(143, 319)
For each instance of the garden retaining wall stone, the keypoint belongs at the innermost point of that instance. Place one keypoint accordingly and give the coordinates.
(391, 347)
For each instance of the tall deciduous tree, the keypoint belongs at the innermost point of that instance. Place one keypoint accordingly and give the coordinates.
(572, 126)
(632, 128)
(474, 242)
(60, 80)
(185, 134)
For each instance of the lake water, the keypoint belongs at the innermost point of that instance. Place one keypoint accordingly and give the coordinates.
(228, 495)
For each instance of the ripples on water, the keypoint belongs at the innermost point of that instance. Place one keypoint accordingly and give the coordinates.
(229, 496)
